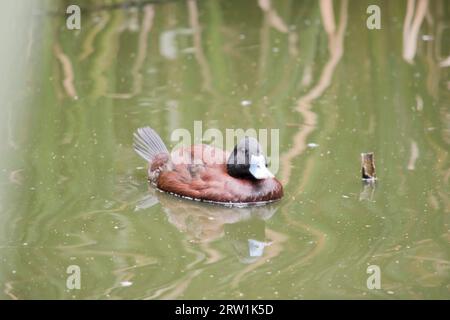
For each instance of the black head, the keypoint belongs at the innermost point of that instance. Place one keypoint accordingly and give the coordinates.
(247, 162)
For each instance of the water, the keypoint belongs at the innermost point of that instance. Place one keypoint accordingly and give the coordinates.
(73, 192)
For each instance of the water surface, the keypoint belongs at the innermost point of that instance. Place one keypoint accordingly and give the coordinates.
(73, 192)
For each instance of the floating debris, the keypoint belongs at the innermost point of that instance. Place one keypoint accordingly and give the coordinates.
(126, 283)
(368, 166)
(246, 103)
(312, 145)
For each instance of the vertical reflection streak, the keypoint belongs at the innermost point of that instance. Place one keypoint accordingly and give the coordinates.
(304, 104)
(199, 53)
(271, 18)
(88, 44)
(147, 24)
(67, 69)
(411, 26)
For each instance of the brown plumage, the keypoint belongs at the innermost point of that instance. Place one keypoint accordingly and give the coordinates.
(202, 172)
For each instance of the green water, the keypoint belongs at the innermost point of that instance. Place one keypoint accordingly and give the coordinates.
(72, 187)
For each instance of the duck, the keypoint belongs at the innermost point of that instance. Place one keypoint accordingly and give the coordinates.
(209, 174)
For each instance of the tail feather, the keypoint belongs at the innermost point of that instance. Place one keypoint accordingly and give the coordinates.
(148, 144)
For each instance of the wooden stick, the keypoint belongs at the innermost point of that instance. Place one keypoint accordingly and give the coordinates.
(368, 166)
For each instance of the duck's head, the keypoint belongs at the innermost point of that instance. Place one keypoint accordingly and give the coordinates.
(247, 162)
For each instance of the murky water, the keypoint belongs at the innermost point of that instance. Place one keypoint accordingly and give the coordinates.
(73, 192)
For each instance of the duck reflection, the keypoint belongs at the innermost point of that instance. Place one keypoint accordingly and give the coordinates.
(248, 238)
(244, 228)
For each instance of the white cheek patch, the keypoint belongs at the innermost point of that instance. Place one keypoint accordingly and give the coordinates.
(258, 167)
(258, 160)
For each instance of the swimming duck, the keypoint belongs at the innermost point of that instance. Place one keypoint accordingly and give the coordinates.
(206, 173)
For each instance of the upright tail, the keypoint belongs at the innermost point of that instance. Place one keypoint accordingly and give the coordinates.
(148, 144)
